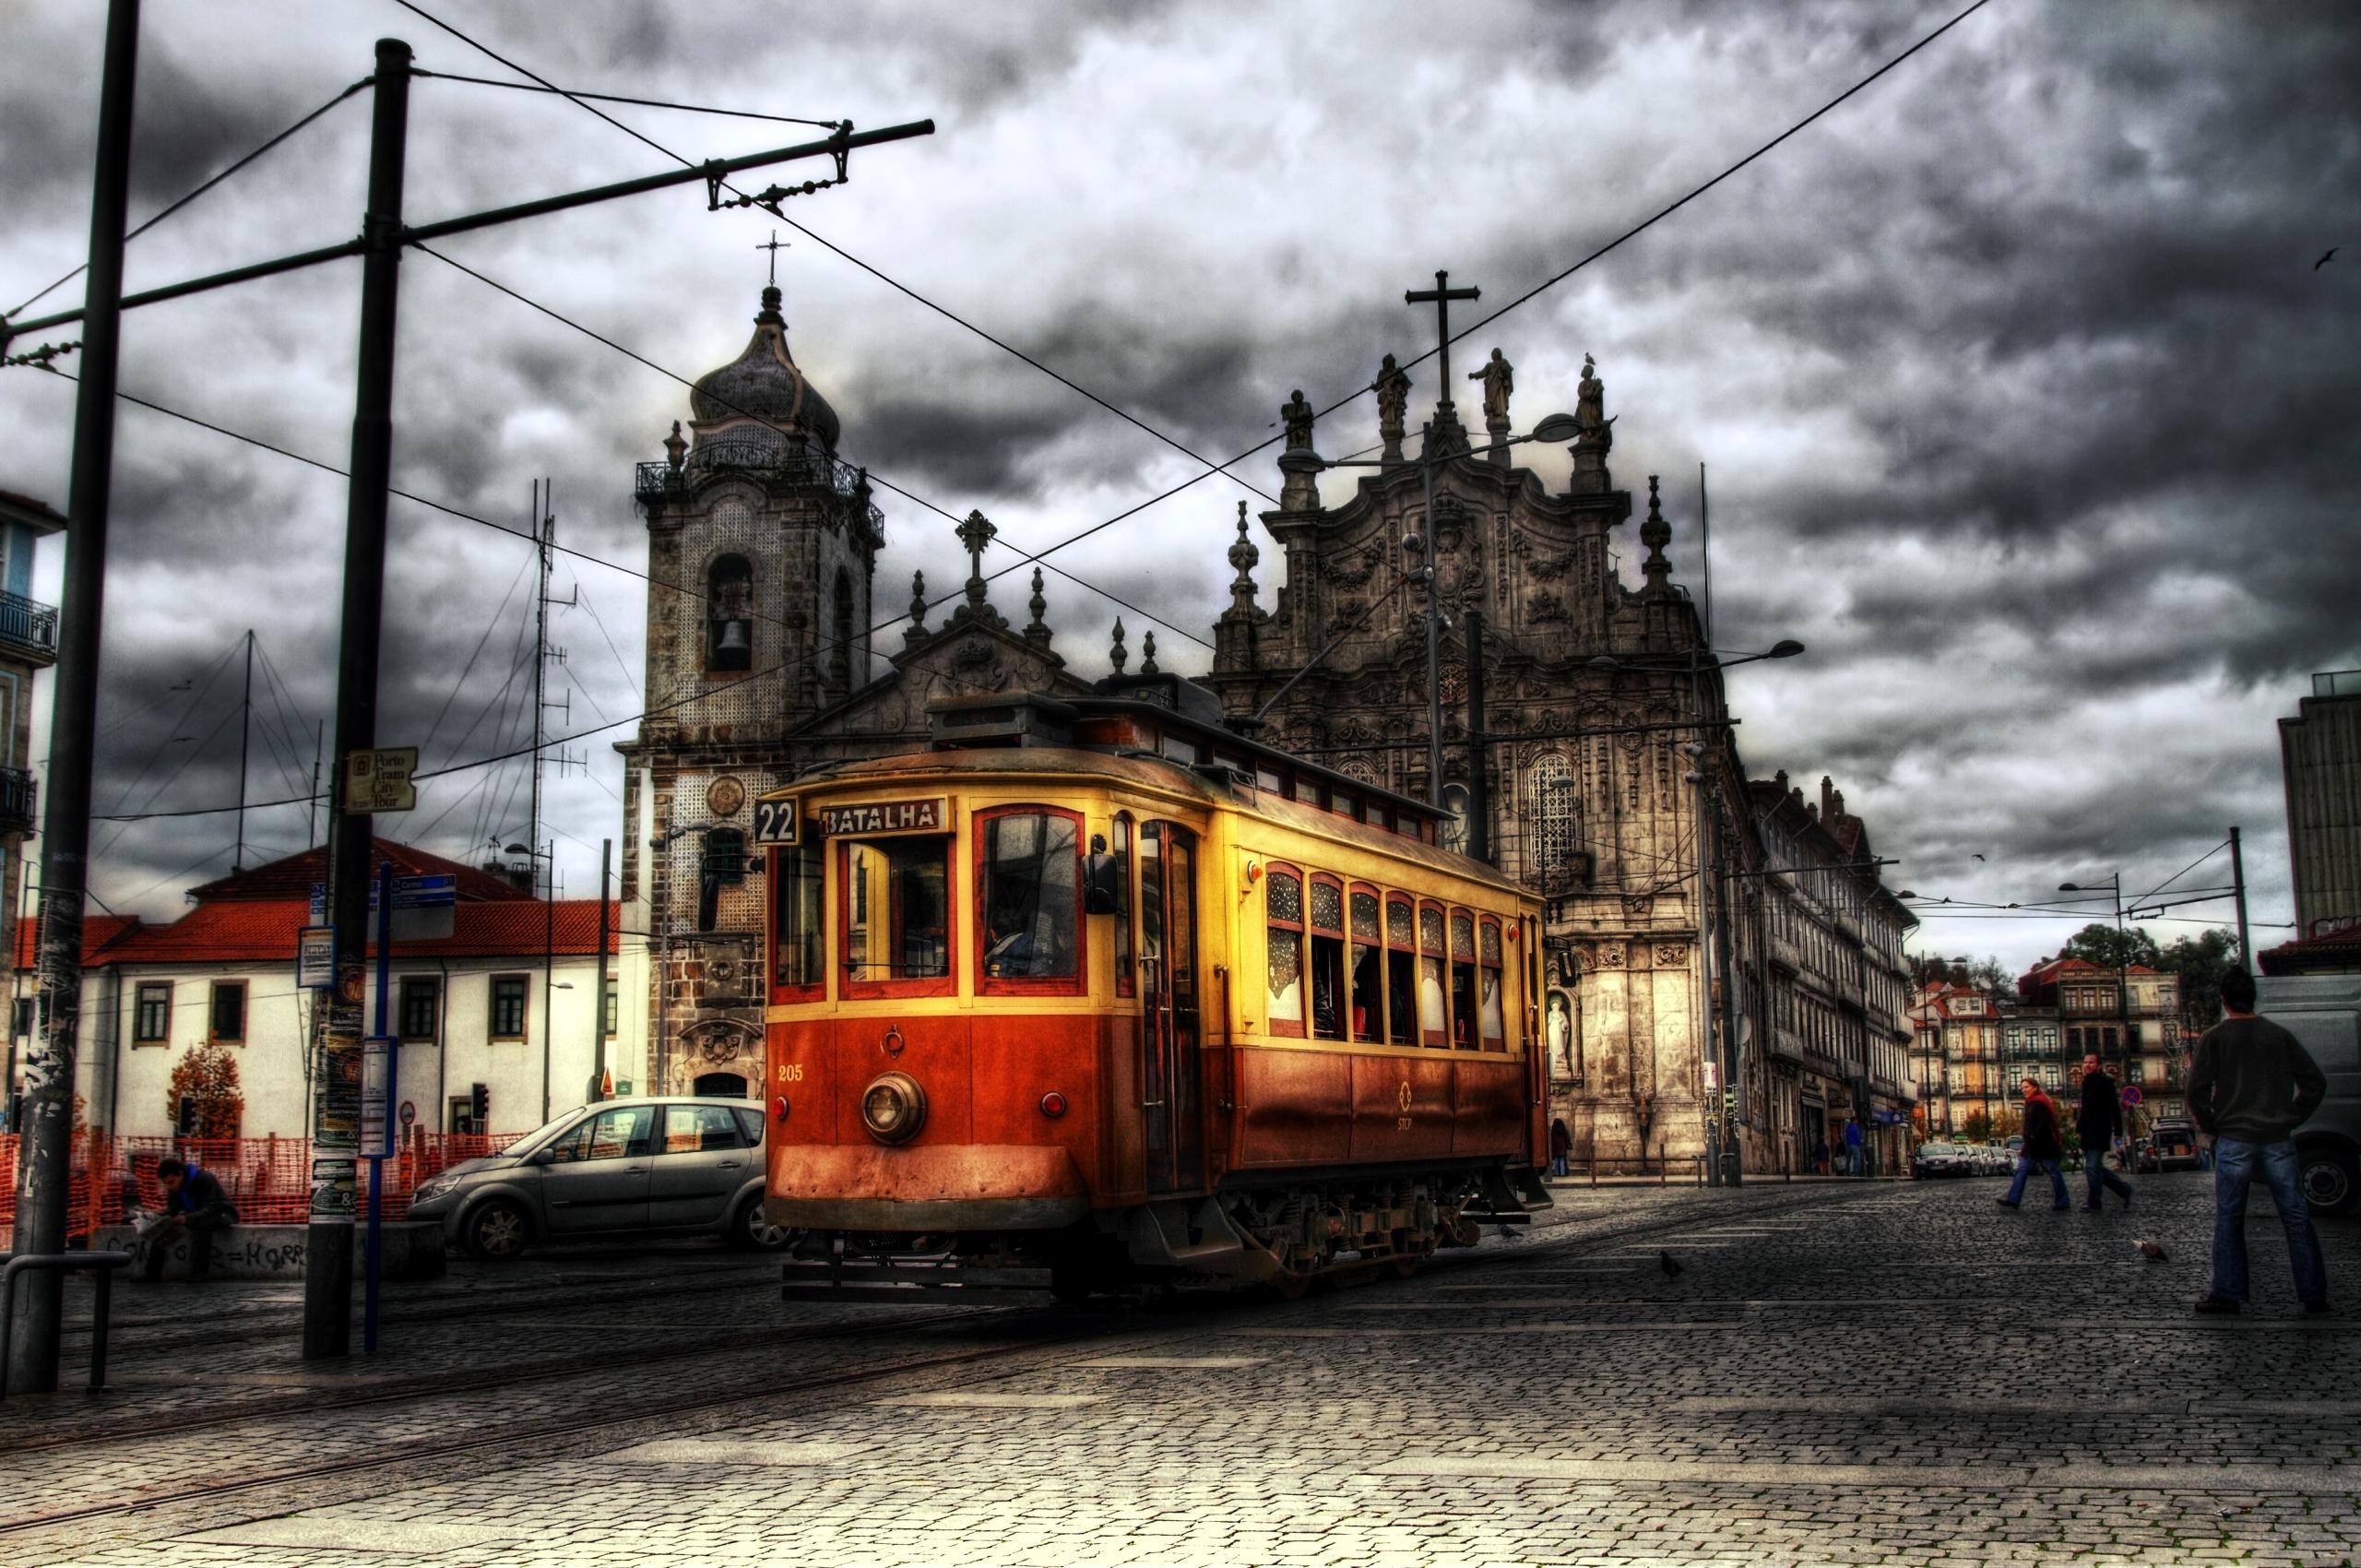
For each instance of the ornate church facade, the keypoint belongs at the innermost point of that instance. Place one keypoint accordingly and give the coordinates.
(1586, 742)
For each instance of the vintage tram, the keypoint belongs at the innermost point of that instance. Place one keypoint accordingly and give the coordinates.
(1097, 993)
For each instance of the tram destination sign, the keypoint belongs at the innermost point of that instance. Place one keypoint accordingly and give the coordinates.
(862, 818)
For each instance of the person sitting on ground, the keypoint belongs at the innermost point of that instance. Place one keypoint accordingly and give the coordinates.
(194, 1206)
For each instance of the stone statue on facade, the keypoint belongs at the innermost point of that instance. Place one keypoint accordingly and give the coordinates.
(1393, 406)
(1497, 384)
(1297, 415)
(1590, 406)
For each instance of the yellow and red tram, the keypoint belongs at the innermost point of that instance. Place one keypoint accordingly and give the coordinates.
(1096, 993)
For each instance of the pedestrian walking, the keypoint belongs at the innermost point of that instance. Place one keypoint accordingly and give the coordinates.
(2097, 1122)
(2041, 1150)
(196, 1205)
(1561, 1146)
(1853, 1164)
(2253, 1085)
(1819, 1154)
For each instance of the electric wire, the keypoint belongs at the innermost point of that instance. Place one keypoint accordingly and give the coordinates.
(200, 190)
(577, 95)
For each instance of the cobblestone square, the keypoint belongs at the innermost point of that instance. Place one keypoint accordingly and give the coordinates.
(1840, 1373)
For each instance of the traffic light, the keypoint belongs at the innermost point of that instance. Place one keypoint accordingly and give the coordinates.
(184, 1120)
(479, 1105)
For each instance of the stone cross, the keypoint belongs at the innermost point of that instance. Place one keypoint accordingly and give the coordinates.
(775, 245)
(1441, 294)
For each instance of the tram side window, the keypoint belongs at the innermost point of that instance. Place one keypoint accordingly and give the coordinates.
(1493, 1006)
(1282, 914)
(1434, 1007)
(1327, 957)
(799, 939)
(897, 909)
(1368, 966)
(1126, 974)
(1463, 980)
(1029, 895)
(1401, 973)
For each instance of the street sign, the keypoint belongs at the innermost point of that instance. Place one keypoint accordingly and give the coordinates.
(423, 906)
(2131, 1095)
(409, 1112)
(379, 780)
(376, 1129)
(315, 958)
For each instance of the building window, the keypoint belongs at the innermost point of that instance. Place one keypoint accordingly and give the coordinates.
(422, 1006)
(508, 1007)
(2131, 1071)
(229, 1016)
(154, 1023)
(1454, 826)
(1556, 824)
(2049, 1075)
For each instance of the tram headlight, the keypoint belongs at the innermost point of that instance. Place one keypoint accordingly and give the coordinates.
(892, 1108)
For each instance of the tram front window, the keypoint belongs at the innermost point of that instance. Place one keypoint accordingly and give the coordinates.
(797, 920)
(1030, 895)
(897, 909)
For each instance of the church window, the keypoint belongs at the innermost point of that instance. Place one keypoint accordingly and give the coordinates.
(730, 615)
(1028, 896)
(840, 651)
(1556, 824)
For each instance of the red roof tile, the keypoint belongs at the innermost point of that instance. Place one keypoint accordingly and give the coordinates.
(243, 931)
(294, 877)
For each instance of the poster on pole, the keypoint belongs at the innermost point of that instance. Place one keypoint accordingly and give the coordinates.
(315, 958)
(376, 1085)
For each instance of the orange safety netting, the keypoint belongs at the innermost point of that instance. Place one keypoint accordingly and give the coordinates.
(269, 1180)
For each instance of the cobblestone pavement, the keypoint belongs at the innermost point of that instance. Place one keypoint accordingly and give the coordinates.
(1839, 1374)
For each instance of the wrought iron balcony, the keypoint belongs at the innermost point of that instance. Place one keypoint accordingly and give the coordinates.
(19, 798)
(27, 628)
(759, 455)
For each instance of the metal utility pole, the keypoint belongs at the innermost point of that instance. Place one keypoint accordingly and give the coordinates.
(48, 1158)
(1480, 787)
(2238, 891)
(245, 743)
(1725, 909)
(328, 1257)
(598, 1008)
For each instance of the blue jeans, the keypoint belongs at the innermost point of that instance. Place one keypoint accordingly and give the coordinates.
(2283, 1168)
(2096, 1171)
(2027, 1166)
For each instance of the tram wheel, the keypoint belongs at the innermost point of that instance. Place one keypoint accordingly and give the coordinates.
(1405, 1266)
(1292, 1287)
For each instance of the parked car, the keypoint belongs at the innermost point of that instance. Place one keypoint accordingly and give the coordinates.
(2324, 1012)
(653, 1165)
(2171, 1144)
(1939, 1159)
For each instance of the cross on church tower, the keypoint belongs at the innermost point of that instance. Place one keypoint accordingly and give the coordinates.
(975, 535)
(1442, 293)
(774, 246)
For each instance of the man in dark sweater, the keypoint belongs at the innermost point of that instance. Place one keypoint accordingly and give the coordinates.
(2041, 1150)
(194, 1206)
(2252, 1086)
(2098, 1121)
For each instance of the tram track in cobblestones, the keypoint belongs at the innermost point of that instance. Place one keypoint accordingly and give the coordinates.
(545, 1438)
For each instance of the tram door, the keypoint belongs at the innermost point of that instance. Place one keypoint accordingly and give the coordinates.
(1170, 1073)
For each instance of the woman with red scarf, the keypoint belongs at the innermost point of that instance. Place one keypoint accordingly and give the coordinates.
(2042, 1149)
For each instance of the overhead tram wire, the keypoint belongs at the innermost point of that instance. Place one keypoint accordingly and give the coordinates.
(578, 100)
(2175, 877)
(578, 94)
(167, 212)
(875, 478)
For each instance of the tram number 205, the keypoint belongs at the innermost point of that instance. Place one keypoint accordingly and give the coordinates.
(790, 1072)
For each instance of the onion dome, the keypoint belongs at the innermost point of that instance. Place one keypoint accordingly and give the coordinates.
(764, 384)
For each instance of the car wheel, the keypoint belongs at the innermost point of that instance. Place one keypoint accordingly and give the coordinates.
(498, 1230)
(749, 1229)
(2330, 1179)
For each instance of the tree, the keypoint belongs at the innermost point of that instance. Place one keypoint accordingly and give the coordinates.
(2202, 961)
(207, 1076)
(2111, 949)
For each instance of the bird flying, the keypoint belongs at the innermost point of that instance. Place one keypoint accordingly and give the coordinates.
(2323, 260)
(1978, 857)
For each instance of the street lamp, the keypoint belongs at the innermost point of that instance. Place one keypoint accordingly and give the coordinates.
(1728, 1164)
(2122, 1019)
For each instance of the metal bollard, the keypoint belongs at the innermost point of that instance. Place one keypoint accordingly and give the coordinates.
(102, 1299)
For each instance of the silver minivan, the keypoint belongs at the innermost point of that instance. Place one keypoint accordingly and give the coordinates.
(2324, 1012)
(622, 1165)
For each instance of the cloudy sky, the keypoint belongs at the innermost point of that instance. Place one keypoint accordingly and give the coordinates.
(2023, 404)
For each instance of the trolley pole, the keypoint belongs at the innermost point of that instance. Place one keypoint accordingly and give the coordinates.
(2238, 889)
(328, 1255)
(47, 1157)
